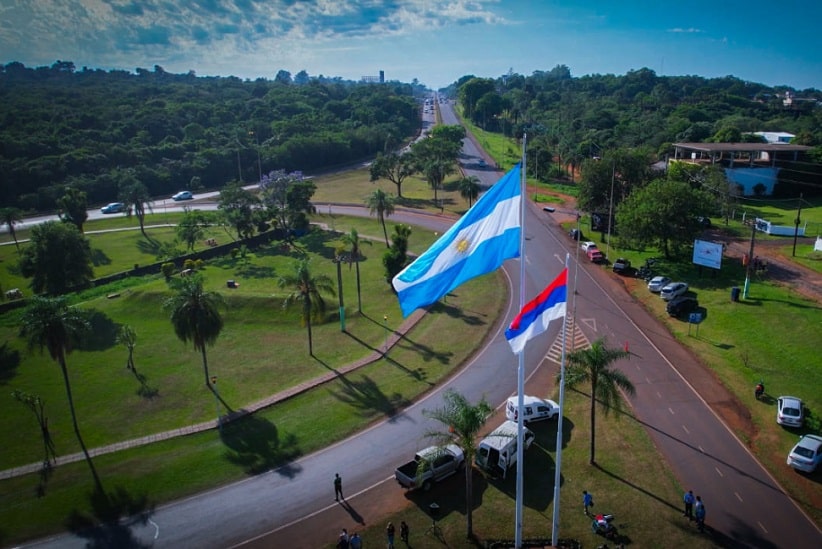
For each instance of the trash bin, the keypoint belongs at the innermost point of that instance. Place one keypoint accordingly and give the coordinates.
(231, 284)
(735, 293)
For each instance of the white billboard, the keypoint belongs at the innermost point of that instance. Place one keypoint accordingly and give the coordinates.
(707, 254)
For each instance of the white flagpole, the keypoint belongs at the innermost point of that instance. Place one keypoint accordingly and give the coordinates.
(558, 464)
(521, 366)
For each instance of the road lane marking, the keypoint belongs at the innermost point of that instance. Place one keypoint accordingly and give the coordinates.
(718, 472)
(686, 430)
(738, 497)
(762, 526)
(671, 411)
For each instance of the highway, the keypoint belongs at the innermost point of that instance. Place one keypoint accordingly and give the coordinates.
(747, 508)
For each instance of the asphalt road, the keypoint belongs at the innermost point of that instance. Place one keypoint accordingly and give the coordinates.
(747, 508)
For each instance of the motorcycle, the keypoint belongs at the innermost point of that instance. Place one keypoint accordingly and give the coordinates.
(759, 391)
(602, 526)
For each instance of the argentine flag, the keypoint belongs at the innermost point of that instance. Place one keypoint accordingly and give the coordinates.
(488, 234)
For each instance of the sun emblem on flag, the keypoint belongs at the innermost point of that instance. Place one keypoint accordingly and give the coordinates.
(462, 245)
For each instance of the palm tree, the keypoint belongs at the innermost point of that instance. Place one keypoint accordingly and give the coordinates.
(469, 188)
(11, 217)
(51, 324)
(594, 365)
(195, 315)
(307, 289)
(383, 205)
(464, 421)
(136, 198)
(354, 242)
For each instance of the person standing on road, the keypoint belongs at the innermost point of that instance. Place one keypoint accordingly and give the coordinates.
(700, 514)
(689, 500)
(338, 495)
(587, 501)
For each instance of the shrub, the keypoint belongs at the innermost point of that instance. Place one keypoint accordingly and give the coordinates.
(188, 264)
(167, 269)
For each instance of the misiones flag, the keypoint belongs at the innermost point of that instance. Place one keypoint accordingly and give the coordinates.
(535, 316)
(487, 235)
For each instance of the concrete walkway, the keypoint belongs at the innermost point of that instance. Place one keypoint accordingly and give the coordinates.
(276, 398)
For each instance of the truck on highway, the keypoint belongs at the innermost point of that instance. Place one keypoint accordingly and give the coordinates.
(430, 465)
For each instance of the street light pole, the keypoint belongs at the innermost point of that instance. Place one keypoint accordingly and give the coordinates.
(385, 321)
(217, 399)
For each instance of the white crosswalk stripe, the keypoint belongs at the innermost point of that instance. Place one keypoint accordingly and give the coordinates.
(576, 341)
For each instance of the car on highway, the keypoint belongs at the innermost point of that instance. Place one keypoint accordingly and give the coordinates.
(587, 245)
(682, 305)
(789, 411)
(113, 208)
(182, 195)
(672, 290)
(656, 284)
(807, 454)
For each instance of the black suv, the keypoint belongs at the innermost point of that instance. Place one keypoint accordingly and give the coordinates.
(682, 305)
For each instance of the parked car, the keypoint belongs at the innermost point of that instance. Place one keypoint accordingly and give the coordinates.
(807, 454)
(595, 255)
(533, 408)
(789, 411)
(182, 195)
(656, 284)
(682, 305)
(587, 245)
(498, 451)
(672, 290)
(437, 462)
(113, 208)
(622, 266)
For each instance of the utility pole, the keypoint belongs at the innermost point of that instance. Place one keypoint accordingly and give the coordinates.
(796, 228)
(750, 266)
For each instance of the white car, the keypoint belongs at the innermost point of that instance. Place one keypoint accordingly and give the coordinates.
(672, 290)
(588, 245)
(656, 284)
(534, 408)
(113, 208)
(789, 411)
(182, 195)
(807, 454)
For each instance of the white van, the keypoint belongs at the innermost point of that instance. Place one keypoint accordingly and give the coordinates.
(534, 408)
(498, 451)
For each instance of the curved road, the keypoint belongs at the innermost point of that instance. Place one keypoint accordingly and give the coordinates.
(673, 400)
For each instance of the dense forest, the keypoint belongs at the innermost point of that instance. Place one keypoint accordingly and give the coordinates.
(571, 119)
(92, 129)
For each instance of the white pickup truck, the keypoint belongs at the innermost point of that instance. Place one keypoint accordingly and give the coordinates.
(430, 465)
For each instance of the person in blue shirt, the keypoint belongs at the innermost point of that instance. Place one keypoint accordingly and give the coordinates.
(689, 500)
(700, 514)
(587, 501)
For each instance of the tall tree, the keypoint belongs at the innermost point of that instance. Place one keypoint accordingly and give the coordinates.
(195, 315)
(463, 422)
(190, 228)
(73, 207)
(469, 188)
(57, 259)
(594, 365)
(11, 217)
(137, 199)
(287, 199)
(49, 323)
(307, 290)
(395, 259)
(436, 159)
(354, 243)
(127, 337)
(237, 206)
(394, 167)
(383, 205)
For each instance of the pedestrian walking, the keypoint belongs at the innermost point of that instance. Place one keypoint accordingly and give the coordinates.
(355, 542)
(342, 541)
(404, 532)
(587, 501)
(338, 495)
(389, 533)
(689, 500)
(700, 514)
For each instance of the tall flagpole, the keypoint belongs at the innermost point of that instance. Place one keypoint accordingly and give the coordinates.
(521, 366)
(558, 464)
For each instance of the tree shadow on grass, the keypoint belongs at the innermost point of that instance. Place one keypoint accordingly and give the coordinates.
(103, 527)
(365, 395)
(9, 362)
(255, 271)
(149, 246)
(103, 333)
(98, 257)
(256, 445)
(418, 373)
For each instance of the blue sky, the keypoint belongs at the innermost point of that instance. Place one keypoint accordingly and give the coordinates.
(434, 41)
